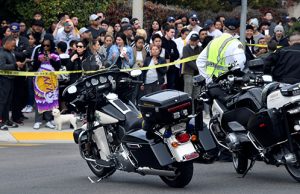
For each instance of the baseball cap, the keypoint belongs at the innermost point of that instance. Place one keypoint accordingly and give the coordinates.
(194, 37)
(169, 19)
(125, 20)
(232, 23)
(193, 16)
(83, 30)
(68, 22)
(208, 23)
(127, 27)
(254, 22)
(14, 27)
(93, 17)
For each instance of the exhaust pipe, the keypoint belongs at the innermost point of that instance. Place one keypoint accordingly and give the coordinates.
(151, 171)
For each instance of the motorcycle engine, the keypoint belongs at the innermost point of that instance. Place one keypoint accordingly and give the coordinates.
(124, 161)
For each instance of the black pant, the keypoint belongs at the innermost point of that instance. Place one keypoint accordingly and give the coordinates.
(6, 94)
(173, 78)
(19, 98)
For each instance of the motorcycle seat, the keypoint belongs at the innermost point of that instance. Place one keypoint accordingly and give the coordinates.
(236, 126)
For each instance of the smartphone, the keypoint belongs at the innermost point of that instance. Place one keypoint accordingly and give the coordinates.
(267, 33)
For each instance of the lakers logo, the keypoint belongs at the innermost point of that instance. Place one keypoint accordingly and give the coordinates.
(46, 83)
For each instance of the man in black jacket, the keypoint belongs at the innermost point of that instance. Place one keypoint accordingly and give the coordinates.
(171, 48)
(7, 62)
(284, 63)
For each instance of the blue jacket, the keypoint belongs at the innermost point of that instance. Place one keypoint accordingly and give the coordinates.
(114, 50)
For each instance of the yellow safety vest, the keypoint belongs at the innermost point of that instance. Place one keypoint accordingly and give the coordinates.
(215, 55)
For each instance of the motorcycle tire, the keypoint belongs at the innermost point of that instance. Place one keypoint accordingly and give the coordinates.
(294, 171)
(100, 171)
(184, 174)
(240, 163)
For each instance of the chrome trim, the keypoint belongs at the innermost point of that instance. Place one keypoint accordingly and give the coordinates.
(217, 139)
(151, 171)
(80, 150)
(117, 107)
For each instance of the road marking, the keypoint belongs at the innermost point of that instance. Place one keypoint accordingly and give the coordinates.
(40, 136)
(4, 145)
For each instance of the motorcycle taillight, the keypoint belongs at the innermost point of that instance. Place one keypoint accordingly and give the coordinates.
(182, 137)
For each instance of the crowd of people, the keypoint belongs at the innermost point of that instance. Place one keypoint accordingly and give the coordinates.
(65, 46)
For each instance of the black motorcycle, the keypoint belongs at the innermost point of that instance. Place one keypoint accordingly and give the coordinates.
(117, 136)
(255, 122)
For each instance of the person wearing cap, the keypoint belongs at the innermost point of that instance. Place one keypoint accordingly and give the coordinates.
(37, 27)
(67, 33)
(211, 30)
(128, 31)
(256, 34)
(171, 21)
(189, 69)
(22, 45)
(135, 24)
(283, 64)
(85, 34)
(222, 53)
(193, 26)
(279, 36)
(94, 26)
(125, 21)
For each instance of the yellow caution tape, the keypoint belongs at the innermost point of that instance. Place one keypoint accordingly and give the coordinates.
(261, 45)
(49, 73)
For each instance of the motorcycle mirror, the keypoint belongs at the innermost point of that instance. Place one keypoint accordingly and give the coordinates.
(267, 78)
(72, 90)
(135, 73)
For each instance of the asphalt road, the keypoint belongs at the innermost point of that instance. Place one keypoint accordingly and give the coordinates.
(58, 168)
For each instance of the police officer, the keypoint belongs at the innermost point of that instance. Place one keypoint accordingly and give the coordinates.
(222, 53)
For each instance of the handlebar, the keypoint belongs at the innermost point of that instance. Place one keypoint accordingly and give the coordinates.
(129, 80)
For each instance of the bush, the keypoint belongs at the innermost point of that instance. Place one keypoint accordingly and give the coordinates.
(51, 8)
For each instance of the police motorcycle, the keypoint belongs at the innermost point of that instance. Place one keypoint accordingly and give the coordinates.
(114, 139)
(257, 125)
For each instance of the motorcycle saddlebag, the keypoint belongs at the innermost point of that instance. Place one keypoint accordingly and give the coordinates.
(165, 107)
(267, 127)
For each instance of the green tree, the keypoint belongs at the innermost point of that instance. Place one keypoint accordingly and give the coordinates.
(51, 8)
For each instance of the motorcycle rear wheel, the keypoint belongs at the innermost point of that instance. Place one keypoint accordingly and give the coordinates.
(240, 163)
(184, 175)
(100, 171)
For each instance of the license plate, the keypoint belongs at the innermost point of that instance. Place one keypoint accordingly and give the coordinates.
(191, 156)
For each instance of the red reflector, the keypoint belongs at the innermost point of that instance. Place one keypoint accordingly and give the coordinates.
(183, 137)
(179, 107)
(262, 125)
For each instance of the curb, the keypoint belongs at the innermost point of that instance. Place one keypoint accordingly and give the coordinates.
(36, 137)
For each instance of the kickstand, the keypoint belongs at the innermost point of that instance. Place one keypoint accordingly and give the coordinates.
(250, 166)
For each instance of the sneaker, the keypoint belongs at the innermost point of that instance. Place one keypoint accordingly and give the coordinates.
(24, 109)
(29, 109)
(19, 122)
(3, 127)
(11, 124)
(50, 125)
(37, 125)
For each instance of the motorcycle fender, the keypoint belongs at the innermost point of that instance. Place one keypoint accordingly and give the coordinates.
(100, 138)
(184, 152)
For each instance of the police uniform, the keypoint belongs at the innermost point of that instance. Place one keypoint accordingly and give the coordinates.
(220, 54)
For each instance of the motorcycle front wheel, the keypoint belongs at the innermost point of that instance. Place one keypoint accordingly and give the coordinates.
(240, 163)
(184, 174)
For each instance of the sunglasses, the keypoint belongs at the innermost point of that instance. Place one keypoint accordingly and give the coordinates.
(194, 20)
(79, 46)
(46, 45)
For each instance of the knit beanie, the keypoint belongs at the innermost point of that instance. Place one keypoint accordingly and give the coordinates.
(279, 28)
